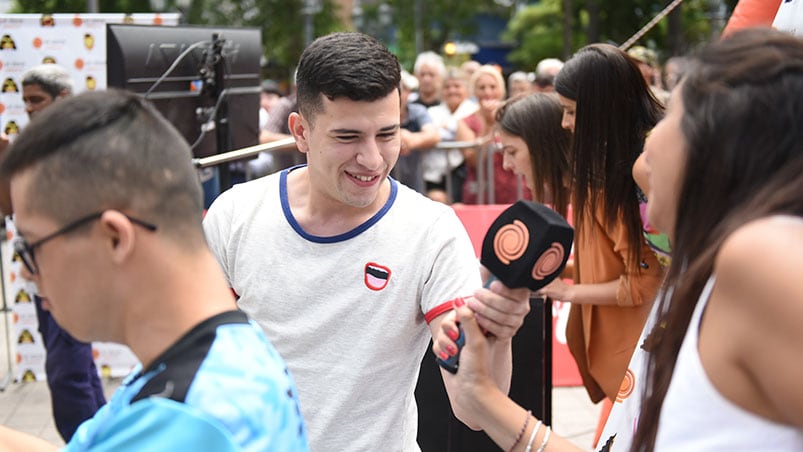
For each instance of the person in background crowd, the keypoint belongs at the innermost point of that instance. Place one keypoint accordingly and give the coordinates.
(650, 69)
(270, 94)
(469, 67)
(440, 164)
(277, 129)
(264, 162)
(418, 135)
(429, 70)
(674, 68)
(43, 85)
(545, 72)
(488, 86)
(518, 84)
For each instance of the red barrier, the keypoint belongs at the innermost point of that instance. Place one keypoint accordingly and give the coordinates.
(477, 219)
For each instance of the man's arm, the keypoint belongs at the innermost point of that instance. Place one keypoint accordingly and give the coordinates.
(13, 440)
(426, 139)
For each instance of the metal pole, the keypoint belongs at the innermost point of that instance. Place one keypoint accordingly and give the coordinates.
(567, 29)
(307, 29)
(490, 172)
(311, 7)
(482, 189)
(91, 6)
(356, 15)
(633, 39)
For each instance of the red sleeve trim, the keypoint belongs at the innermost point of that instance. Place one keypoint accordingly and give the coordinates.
(438, 310)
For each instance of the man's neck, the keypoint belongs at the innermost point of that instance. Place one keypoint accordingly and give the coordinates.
(174, 304)
(321, 215)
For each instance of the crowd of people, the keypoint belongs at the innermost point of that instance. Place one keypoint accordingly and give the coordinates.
(295, 312)
(460, 101)
(456, 101)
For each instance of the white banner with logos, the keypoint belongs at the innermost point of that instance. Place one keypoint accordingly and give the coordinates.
(76, 42)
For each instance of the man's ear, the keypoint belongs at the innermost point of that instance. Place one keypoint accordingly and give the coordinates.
(119, 234)
(300, 129)
(63, 93)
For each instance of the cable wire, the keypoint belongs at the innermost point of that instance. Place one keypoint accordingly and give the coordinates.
(173, 66)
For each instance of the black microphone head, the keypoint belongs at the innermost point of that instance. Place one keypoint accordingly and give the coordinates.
(528, 245)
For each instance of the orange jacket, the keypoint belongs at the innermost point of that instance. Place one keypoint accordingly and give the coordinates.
(602, 338)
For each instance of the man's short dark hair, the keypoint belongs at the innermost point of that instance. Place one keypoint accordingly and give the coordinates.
(351, 65)
(109, 150)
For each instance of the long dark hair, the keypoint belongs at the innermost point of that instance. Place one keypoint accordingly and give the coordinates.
(615, 111)
(536, 120)
(743, 110)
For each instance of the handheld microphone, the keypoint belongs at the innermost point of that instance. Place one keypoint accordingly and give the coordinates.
(527, 245)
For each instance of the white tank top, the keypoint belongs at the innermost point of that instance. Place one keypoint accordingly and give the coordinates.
(696, 417)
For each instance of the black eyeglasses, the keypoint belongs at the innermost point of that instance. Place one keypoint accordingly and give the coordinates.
(26, 250)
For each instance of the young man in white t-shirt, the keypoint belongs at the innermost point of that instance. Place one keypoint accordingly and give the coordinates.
(343, 267)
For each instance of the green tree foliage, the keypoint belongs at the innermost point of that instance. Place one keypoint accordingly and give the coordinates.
(537, 28)
(538, 31)
(281, 21)
(437, 22)
(80, 6)
(409, 26)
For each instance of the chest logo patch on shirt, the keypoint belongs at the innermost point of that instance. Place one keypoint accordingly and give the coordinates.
(376, 276)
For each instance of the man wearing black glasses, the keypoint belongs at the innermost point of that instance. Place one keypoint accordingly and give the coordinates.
(108, 210)
(76, 392)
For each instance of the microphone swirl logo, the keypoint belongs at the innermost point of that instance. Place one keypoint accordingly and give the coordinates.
(511, 241)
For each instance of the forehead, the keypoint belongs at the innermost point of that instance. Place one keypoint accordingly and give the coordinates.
(34, 89)
(507, 138)
(566, 102)
(346, 114)
(427, 69)
(487, 79)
